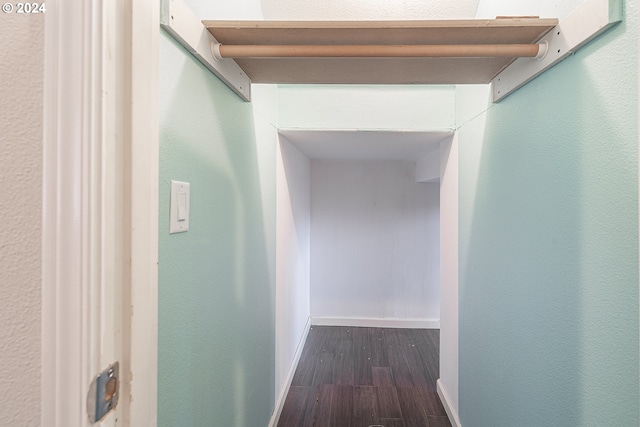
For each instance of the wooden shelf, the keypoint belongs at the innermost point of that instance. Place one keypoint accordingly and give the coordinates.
(214, 43)
(377, 70)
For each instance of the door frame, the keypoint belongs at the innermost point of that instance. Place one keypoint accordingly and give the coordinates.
(100, 207)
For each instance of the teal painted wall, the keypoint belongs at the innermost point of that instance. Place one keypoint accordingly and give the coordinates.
(549, 246)
(216, 281)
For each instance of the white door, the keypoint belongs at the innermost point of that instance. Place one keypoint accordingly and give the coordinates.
(100, 212)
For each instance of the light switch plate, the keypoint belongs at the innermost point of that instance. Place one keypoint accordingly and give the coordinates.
(179, 217)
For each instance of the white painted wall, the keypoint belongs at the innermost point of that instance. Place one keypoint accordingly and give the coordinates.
(368, 9)
(374, 241)
(225, 9)
(22, 77)
(366, 107)
(293, 257)
(428, 167)
(448, 381)
(489, 9)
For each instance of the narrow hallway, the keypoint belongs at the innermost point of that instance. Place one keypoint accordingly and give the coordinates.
(352, 377)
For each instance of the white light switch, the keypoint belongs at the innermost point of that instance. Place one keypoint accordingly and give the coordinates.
(182, 206)
(179, 216)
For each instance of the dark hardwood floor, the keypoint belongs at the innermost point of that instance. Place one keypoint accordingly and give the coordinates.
(361, 377)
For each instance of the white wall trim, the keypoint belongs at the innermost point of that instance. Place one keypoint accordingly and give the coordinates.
(144, 182)
(275, 417)
(448, 407)
(100, 208)
(368, 322)
(73, 222)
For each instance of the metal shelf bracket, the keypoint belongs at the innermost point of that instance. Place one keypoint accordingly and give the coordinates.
(184, 26)
(584, 24)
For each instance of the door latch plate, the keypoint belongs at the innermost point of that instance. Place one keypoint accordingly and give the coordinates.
(103, 393)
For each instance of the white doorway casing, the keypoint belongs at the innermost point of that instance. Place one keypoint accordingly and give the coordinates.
(100, 208)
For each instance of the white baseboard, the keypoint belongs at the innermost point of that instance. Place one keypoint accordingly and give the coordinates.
(446, 402)
(277, 411)
(367, 322)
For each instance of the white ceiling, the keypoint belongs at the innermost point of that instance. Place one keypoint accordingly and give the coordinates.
(364, 145)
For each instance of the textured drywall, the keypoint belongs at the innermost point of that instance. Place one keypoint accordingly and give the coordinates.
(368, 9)
(374, 241)
(549, 245)
(21, 92)
(216, 350)
(293, 255)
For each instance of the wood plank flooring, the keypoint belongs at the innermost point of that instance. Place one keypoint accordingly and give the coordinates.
(362, 377)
